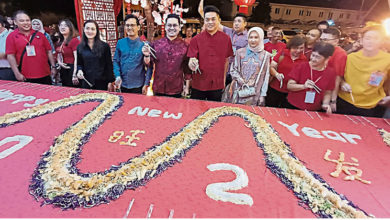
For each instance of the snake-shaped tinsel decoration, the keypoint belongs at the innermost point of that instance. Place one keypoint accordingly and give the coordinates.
(57, 180)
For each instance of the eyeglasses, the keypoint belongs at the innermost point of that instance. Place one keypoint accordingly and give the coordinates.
(172, 25)
(325, 39)
(131, 25)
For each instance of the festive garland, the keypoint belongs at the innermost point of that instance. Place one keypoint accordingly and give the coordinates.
(59, 182)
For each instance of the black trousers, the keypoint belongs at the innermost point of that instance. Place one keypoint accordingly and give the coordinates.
(7, 74)
(173, 96)
(66, 76)
(288, 105)
(275, 98)
(44, 80)
(98, 85)
(213, 95)
(346, 108)
(133, 90)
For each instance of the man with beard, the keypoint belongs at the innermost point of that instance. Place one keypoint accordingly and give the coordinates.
(312, 37)
(209, 52)
(28, 52)
(129, 61)
(171, 62)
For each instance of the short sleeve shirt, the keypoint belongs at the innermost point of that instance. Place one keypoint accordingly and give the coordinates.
(325, 80)
(285, 65)
(211, 51)
(33, 66)
(338, 60)
(68, 49)
(274, 48)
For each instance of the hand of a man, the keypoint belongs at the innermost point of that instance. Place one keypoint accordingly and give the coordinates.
(145, 90)
(193, 64)
(118, 82)
(20, 77)
(146, 51)
(346, 87)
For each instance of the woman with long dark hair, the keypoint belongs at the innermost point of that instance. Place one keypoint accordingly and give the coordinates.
(67, 53)
(94, 62)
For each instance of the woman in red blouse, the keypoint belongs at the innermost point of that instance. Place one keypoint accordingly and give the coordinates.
(281, 66)
(311, 83)
(67, 53)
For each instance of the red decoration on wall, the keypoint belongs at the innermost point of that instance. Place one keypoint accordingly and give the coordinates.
(104, 12)
(244, 5)
(128, 8)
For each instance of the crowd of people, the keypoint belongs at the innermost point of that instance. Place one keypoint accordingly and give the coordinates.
(235, 65)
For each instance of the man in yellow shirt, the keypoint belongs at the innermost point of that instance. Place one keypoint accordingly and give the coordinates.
(365, 87)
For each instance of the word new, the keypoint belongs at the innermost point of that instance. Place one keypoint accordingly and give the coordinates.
(313, 133)
(6, 95)
(153, 113)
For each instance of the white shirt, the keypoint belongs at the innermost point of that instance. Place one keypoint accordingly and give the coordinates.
(3, 37)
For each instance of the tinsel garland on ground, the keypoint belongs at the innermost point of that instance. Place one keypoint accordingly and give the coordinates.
(57, 180)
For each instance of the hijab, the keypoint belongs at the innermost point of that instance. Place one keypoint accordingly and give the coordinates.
(40, 22)
(259, 47)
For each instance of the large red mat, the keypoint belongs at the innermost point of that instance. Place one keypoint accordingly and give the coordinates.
(181, 190)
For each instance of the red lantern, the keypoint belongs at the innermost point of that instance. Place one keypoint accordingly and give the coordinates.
(244, 5)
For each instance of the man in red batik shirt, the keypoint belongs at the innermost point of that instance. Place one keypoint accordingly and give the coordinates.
(209, 52)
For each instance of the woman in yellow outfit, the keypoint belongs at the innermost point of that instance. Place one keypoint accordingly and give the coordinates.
(365, 87)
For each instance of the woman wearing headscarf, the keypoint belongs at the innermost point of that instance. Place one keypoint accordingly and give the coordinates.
(38, 26)
(250, 72)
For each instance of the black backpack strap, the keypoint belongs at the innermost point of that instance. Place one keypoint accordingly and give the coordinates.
(24, 51)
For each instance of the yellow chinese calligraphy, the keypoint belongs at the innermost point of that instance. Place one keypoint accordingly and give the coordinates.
(132, 138)
(117, 135)
(347, 167)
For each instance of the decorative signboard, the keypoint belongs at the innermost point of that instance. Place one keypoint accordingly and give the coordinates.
(68, 152)
(103, 12)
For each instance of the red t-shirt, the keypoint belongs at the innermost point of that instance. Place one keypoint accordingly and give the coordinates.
(211, 51)
(285, 66)
(274, 48)
(67, 50)
(308, 52)
(338, 60)
(33, 66)
(301, 73)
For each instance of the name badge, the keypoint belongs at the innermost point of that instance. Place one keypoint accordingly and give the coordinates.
(376, 79)
(310, 96)
(30, 50)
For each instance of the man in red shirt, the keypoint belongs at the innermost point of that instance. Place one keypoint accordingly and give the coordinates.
(312, 37)
(311, 83)
(31, 65)
(274, 46)
(337, 61)
(209, 52)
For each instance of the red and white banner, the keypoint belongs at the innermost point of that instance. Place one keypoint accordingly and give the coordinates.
(83, 154)
(104, 12)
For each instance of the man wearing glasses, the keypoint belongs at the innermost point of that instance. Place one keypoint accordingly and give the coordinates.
(169, 56)
(129, 65)
(337, 61)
